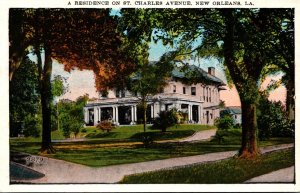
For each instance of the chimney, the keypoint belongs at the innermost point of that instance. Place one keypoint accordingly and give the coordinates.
(211, 71)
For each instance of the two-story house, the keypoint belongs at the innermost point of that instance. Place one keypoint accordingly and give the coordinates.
(199, 101)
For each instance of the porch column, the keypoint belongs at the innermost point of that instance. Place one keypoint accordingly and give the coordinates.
(99, 115)
(152, 110)
(95, 115)
(199, 114)
(114, 114)
(117, 115)
(86, 115)
(135, 113)
(190, 112)
(132, 115)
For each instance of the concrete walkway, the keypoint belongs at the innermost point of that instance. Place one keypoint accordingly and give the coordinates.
(58, 171)
(200, 136)
(286, 175)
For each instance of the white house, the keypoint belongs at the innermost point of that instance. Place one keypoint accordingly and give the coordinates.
(199, 101)
(235, 112)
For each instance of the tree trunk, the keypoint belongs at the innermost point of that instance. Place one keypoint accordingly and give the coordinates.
(145, 114)
(45, 90)
(290, 101)
(249, 147)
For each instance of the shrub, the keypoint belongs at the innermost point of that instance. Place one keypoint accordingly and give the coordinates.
(165, 119)
(83, 130)
(225, 122)
(272, 120)
(106, 126)
(70, 125)
(147, 140)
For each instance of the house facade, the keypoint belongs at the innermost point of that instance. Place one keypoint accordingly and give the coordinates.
(199, 102)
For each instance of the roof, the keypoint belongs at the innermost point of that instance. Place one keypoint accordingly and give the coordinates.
(233, 110)
(203, 74)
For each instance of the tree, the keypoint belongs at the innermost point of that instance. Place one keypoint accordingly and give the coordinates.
(284, 55)
(77, 38)
(59, 87)
(24, 100)
(149, 80)
(241, 38)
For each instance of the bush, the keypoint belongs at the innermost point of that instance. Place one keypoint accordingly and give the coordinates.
(165, 119)
(83, 130)
(225, 122)
(106, 126)
(272, 120)
(70, 125)
(147, 140)
(32, 126)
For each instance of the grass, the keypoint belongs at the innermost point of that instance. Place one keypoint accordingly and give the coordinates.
(232, 170)
(126, 133)
(101, 152)
(134, 132)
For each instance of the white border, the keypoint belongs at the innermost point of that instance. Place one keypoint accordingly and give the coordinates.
(4, 118)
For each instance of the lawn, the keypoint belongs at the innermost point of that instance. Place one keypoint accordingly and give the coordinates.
(134, 132)
(101, 152)
(222, 172)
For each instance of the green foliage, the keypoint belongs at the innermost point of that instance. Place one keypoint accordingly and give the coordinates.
(106, 125)
(224, 123)
(24, 100)
(70, 115)
(147, 140)
(59, 86)
(273, 121)
(165, 120)
(32, 125)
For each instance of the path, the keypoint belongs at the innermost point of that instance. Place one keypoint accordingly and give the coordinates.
(200, 135)
(58, 171)
(284, 175)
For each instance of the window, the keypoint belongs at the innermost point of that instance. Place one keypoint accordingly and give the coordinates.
(120, 93)
(193, 91)
(209, 94)
(174, 88)
(183, 90)
(104, 94)
(206, 94)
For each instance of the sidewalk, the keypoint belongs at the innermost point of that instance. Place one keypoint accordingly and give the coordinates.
(58, 171)
(286, 175)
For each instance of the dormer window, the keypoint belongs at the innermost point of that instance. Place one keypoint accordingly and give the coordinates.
(104, 94)
(120, 93)
(193, 90)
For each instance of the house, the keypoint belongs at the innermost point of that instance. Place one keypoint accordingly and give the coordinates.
(199, 102)
(235, 112)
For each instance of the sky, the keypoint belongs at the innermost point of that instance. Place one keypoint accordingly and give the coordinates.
(81, 82)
